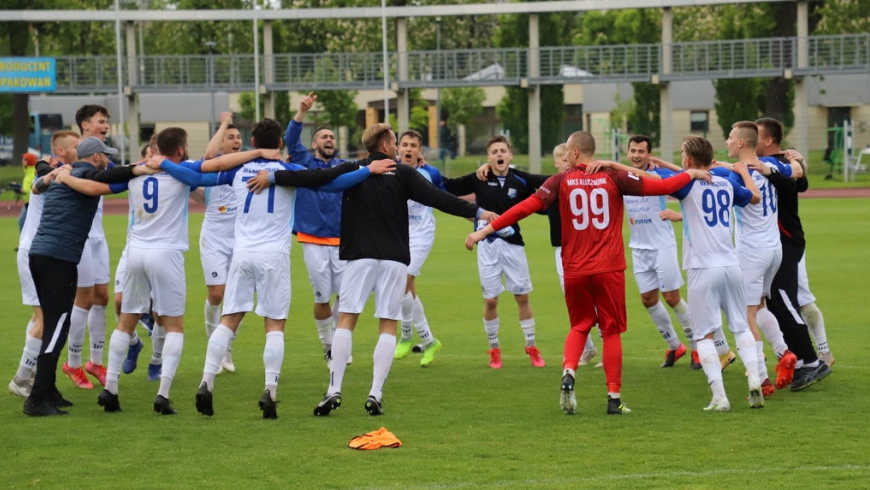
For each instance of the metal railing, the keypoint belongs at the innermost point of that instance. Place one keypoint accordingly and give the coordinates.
(479, 67)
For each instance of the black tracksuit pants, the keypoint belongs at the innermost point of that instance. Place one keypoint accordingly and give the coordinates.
(783, 304)
(55, 282)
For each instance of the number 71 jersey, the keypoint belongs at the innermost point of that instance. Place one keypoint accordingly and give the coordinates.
(707, 220)
(158, 212)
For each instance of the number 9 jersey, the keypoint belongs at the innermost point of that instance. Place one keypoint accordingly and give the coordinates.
(707, 220)
(158, 212)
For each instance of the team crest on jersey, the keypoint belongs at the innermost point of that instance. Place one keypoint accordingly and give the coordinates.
(512, 193)
(222, 209)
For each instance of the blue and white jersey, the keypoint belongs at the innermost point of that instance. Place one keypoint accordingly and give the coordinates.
(707, 226)
(31, 224)
(648, 230)
(421, 219)
(757, 227)
(261, 219)
(220, 211)
(158, 212)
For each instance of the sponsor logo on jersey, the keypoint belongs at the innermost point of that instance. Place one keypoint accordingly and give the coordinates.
(642, 221)
(599, 181)
(222, 209)
(512, 193)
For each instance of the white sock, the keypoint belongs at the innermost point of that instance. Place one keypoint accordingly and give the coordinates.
(342, 346)
(324, 332)
(172, 357)
(590, 346)
(118, 344)
(769, 326)
(681, 310)
(407, 316)
(528, 327)
(273, 358)
(748, 352)
(217, 347)
(30, 326)
(97, 330)
(421, 324)
(212, 317)
(816, 323)
(27, 364)
(491, 328)
(134, 338)
(662, 321)
(77, 321)
(383, 360)
(762, 367)
(712, 369)
(158, 336)
(720, 342)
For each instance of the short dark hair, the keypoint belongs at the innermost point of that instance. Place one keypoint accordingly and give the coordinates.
(170, 140)
(699, 150)
(88, 111)
(772, 127)
(267, 134)
(747, 130)
(232, 126)
(321, 128)
(642, 138)
(412, 134)
(498, 139)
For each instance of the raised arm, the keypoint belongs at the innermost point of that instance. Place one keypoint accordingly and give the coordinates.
(292, 137)
(214, 144)
(599, 164)
(658, 162)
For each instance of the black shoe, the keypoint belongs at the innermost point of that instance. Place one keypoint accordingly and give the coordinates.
(204, 400)
(328, 404)
(616, 407)
(41, 409)
(109, 402)
(374, 406)
(163, 406)
(58, 400)
(268, 406)
(808, 376)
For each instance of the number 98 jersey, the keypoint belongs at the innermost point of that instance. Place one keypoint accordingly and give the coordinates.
(707, 220)
(158, 212)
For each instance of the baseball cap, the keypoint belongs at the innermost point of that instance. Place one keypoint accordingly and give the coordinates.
(91, 146)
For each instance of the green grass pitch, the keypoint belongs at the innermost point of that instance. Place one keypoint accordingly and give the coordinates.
(463, 425)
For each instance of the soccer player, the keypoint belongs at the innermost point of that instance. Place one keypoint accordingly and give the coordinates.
(63, 150)
(783, 303)
(54, 254)
(502, 254)
(591, 208)
(92, 295)
(713, 269)
(375, 244)
(317, 223)
(654, 259)
(421, 230)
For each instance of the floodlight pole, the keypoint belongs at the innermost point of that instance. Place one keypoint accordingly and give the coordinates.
(120, 79)
(256, 67)
(386, 61)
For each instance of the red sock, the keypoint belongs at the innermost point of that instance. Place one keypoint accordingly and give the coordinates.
(574, 343)
(613, 362)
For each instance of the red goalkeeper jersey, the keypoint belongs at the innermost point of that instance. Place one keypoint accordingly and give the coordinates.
(591, 211)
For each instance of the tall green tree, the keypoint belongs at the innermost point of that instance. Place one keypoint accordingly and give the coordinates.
(462, 104)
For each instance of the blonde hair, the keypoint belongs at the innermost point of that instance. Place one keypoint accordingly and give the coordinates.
(559, 151)
(699, 150)
(374, 135)
(747, 131)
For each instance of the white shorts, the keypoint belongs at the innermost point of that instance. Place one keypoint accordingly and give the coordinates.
(28, 288)
(386, 278)
(759, 268)
(805, 296)
(93, 267)
(265, 274)
(559, 269)
(120, 272)
(656, 269)
(215, 254)
(324, 270)
(500, 257)
(712, 291)
(157, 274)
(419, 254)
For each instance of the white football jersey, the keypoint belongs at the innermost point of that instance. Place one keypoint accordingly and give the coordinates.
(421, 219)
(757, 227)
(707, 220)
(97, 225)
(263, 221)
(31, 224)
(158, 212)
(648, 230)
(220, 211)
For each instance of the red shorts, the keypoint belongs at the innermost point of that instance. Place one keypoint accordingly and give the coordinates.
(597, 299)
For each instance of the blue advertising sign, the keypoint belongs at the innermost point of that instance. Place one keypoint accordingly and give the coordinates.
(27, 75)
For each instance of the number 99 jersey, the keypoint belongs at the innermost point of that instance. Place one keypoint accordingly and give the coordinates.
(707, 220)
(158, 212)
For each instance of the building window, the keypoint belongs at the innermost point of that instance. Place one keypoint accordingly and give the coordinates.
(699, 122)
